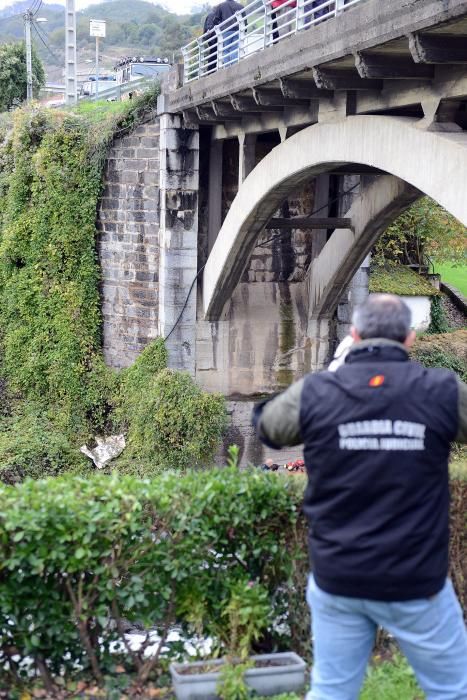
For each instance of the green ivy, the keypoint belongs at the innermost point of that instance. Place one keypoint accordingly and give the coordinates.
(436, 357)
(49, 302)
(175, 425)
(439, 322)
(55, 385)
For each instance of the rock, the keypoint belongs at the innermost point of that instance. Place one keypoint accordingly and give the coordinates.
(107, 448)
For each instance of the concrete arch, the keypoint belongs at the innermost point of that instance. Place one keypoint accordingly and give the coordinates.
(433, 162)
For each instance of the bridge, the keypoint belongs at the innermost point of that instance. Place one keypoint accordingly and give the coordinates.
(283, 149)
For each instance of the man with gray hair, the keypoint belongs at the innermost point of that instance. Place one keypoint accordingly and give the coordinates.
(376, 435)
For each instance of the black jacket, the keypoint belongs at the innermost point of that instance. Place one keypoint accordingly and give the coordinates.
(225, 10)
(376, 437)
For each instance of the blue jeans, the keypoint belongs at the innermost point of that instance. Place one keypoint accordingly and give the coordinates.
(430, 632)
(230, 40)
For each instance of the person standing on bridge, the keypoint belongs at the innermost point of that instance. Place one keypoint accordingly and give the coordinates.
(230, 30)
(283, 20)
(376, 435)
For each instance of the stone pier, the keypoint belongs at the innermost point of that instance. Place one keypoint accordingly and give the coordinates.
(178, 240)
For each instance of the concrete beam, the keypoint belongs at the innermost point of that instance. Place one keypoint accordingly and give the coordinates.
(248, 104)
(343, 80)
(215, 191)
(438, 48)
(379, 203)
(389, 67)
(178, 244)
(308, 223)
(263, 122)
(299, 89)
(275, 98)
(246, 156)
(450, 82)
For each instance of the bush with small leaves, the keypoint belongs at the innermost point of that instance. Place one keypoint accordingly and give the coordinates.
(80, 556)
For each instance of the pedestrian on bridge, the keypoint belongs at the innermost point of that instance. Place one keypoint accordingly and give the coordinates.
(376, 435)
(230, 29)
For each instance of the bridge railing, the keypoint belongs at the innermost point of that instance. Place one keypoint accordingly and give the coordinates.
(252, 29)
(117, 92)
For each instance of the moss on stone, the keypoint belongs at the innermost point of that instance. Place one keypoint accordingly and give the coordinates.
(397, 279)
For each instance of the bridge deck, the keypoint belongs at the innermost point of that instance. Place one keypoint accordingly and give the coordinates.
(375, 57)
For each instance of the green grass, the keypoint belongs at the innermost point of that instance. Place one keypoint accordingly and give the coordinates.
(97, 111)
(455, 275)
(389, 680)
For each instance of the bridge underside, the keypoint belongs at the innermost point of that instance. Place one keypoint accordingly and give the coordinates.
(379, 142)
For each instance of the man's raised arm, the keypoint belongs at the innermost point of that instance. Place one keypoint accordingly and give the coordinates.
(277, 421)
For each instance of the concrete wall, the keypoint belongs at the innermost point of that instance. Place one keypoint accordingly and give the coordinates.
(421, 311)
(128, 221)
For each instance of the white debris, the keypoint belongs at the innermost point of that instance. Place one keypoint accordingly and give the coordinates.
(107, 448)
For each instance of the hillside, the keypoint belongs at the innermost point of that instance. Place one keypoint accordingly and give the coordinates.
(132, 27)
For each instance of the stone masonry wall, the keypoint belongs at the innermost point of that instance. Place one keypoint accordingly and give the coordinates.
(128, 221)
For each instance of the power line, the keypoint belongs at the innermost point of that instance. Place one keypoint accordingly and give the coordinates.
(186, 302)
(43, 40)
(38, 8)
(34, 7)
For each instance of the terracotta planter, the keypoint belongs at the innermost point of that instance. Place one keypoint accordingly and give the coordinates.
(285, 673)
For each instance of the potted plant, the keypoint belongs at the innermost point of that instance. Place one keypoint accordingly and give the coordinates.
(234, 676)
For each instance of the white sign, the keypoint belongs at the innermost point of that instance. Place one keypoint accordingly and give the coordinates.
(97, 28)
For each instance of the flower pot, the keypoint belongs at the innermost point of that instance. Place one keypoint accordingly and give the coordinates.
(273, 674)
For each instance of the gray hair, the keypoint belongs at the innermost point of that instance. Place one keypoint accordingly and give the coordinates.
(382, 316)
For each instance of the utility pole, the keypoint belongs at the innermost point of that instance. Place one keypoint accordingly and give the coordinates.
(28, 19)
(71, 91)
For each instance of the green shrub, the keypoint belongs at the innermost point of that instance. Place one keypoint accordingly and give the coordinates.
(134, 381)
(174, 424)
(438, 322)
(78, 555)
(31, 446)
(439, 358)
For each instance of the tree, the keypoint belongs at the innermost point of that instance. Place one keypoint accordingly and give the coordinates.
(424, 232)
(13, 76)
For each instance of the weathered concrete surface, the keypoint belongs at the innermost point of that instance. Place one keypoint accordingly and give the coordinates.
(261, 346)
(179, 176)
(362, 27)
(437, 166)
(128, 245)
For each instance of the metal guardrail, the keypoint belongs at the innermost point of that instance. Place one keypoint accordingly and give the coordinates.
(253, 29)
(116, 92)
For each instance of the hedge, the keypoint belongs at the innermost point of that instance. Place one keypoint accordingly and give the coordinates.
(81, 557)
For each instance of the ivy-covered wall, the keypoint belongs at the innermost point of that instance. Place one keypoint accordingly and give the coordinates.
(56, 391)
(49, 274)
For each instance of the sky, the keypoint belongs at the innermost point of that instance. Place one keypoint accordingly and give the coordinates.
(178, 6)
